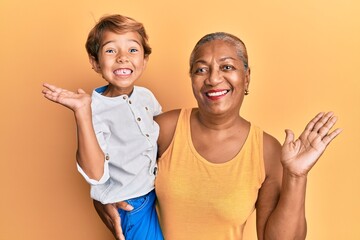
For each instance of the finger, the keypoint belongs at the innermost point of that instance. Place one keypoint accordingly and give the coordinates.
(50, 87)
(118, 231)
(46, 91)
(111, 218)
(310, 126)
(322, 121)
(50, 95)
(324, 130)
(47, 85)
(80, 91)
(124, 206)
(289, 136)
(116, 222)
(329, 137)
(102, 212)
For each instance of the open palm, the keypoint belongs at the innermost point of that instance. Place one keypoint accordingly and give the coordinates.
(69, 99)
(300, 155)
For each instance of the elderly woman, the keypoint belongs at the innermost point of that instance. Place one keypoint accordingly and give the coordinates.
(216, 168)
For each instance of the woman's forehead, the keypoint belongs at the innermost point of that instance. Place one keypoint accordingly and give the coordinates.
(216, 48)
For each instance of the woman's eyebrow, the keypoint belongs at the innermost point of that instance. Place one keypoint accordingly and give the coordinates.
(227, 58)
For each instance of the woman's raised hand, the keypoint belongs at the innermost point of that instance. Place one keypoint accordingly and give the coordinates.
(300, 155)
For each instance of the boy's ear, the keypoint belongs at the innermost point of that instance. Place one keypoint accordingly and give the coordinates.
(146, 59)
(95, 65)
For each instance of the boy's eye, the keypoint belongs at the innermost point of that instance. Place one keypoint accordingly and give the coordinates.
(110, 51)
(133, 50)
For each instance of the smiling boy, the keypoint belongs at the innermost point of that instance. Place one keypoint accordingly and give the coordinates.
(117, 136)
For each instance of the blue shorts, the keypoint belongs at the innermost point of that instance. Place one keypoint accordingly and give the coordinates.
(142, 222)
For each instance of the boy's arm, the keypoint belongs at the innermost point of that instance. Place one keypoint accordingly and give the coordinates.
(89, 155)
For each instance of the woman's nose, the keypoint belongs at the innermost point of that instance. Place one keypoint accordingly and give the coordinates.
(214, 77)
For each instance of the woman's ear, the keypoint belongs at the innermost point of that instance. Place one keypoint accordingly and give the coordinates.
(247, 78)
(95, 65)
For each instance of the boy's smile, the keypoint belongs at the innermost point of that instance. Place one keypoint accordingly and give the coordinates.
(123, 72)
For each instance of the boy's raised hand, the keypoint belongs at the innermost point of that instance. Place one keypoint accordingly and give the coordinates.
(72, 100)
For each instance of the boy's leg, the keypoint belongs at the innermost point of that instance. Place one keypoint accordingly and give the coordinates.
(142, 222)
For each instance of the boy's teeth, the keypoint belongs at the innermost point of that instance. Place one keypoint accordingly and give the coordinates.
(215, 94)
(123, 71)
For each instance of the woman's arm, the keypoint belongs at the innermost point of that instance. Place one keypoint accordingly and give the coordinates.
(89, 154)
(281, 213)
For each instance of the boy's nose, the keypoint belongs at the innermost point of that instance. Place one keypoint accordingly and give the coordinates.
(122, 58)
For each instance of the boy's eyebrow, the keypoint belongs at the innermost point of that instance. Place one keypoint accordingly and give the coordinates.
(130, 40)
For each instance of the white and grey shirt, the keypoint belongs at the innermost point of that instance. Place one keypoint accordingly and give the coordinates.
(127, 134)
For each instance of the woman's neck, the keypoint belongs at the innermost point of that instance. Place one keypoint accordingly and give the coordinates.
(218, 121)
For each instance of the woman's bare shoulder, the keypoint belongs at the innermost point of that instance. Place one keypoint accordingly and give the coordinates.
(167, 122)
(168, 116)
(272, 154)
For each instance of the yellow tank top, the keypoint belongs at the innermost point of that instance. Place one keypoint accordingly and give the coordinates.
(200, 200)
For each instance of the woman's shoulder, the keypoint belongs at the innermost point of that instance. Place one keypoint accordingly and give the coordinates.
(167, 122)
(272, 154)
(169, 116)
(270, 141)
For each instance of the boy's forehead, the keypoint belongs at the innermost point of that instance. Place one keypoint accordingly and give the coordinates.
(124, 36)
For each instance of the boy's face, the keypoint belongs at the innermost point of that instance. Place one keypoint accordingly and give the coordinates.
(121, 61)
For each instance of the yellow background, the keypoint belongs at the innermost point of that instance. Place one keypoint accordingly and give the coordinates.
(304, 57)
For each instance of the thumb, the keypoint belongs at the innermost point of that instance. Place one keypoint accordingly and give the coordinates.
(289, 136)
(124, 206)
(80, 91)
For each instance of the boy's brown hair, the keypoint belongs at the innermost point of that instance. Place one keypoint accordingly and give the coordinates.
(118, 24)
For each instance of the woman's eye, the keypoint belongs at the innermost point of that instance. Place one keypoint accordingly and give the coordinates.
(227, 67)
(200, 70)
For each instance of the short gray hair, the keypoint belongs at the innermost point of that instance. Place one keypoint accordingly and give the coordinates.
(227, 37)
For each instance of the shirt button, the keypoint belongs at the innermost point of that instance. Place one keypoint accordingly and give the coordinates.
(146, 108)
(124, 97)
(130, 101)
(155, 170)
(147, 135)
(139, 119)
(107, 157)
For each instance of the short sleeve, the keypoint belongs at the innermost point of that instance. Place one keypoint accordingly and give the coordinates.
(102, 134)
(93, 182)
(157, 107)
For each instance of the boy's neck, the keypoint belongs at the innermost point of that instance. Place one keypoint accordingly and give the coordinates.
(112, 91)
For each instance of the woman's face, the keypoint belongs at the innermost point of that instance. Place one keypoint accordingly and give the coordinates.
(219, 78)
